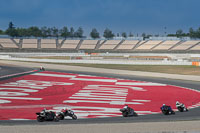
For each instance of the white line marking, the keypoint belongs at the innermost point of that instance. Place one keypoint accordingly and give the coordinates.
(99, 80)
(23, 98)
(140, 84)
(15, 74)
(54, 75)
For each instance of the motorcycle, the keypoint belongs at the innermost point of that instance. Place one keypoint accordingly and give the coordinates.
(181, 108)
(128, 112)
(46, 116)
(166, 110)
(42, 68)
(66, 113)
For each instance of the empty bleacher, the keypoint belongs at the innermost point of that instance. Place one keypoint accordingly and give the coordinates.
(128, 45)
(166, 45)
(8, 43)
(88, 44)
(185, 45)
(119, 45)
(70, 44)
(48, 43)
(109, 44)
(148, 45)
(196, 47)
(30, 43)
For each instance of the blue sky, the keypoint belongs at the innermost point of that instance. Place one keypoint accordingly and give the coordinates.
(136, 16)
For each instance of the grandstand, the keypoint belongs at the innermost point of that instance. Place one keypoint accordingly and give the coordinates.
(148, 45)
(88, 44)
(128, 45)
(30, 43)
(109, 44)
(48, 44)
(166, 45)
(70, 44)
(196, 47)
(93, 45)
(185, 45)
(9, 43)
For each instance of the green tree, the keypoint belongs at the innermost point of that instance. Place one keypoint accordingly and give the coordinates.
(49, 32)
(64, 32)
(55, 32)
(179, 33)
(198, 32)
(11, 31)
(130, 34)
(71, 33)
(35, 31)
(79, 33)
(23, 32)
(94, 33)
(1, 32)
(11, 25)
(44, 31)
(108, 34)
(124, 34)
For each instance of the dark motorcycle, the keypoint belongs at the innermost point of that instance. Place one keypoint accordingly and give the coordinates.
(66, 113)
(128, 112)
(46, 116)
(166, 110)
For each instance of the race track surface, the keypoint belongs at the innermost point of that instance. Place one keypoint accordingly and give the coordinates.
(193, 114)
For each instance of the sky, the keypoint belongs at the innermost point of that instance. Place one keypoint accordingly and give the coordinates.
(136, 16)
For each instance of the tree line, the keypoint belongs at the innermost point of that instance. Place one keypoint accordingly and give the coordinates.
(45, 32)
(192, 33)
(66, 32)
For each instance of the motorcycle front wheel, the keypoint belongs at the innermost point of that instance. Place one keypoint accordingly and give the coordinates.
(74, 117)
(40, 119)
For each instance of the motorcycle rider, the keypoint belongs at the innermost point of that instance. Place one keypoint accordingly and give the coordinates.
(130, 110)
(42, 68)
(164, 106)
(178, 104)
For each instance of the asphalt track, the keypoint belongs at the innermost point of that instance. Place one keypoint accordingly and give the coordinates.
(193, 114)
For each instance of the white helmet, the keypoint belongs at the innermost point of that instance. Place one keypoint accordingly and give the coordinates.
(177, 102)
(163, 104)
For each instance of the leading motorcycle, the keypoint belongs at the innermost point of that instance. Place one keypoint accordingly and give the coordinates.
(166, 110)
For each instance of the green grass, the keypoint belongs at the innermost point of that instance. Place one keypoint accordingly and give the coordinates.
(185, 70)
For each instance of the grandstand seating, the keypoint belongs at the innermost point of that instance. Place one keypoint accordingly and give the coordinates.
(70, 44)
(8, 43)
(110, 44)
(135, 45)
(48, 43)
(196, 47)
(88, 44)
(148, 45)
(128, 45)
(185, 45)
(166, 45)
(30, 43)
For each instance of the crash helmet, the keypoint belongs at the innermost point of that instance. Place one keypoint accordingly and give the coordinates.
(163, 104)
(177, 103)
(126, 106)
